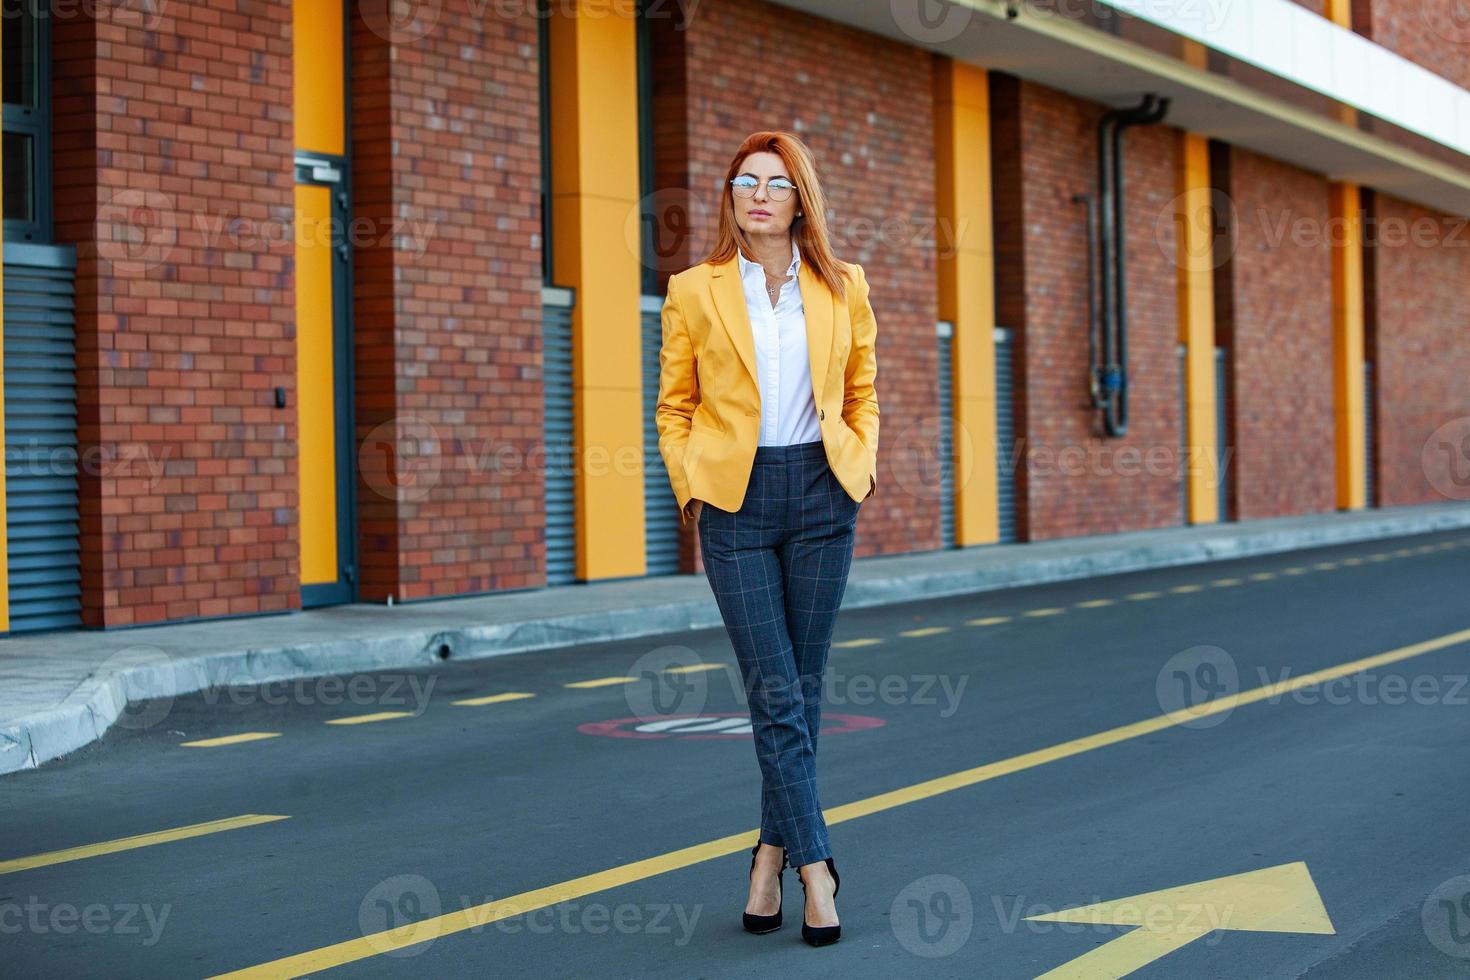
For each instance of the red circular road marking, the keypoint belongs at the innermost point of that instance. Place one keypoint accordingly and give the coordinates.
(832, 724)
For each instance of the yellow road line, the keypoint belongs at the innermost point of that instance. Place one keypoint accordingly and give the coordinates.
(987, 621)
(866, 641)
(209, 743)
(695, 668)
(1094, 603)
(141, 840)
(494, 698)
(1226, 581)
(467, 918)
(924, 631)
(1138, 596)
(369, 719)
(601, 682)
(1186, 588)
(1049, 611)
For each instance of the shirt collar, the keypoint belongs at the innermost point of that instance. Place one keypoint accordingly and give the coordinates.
(746, 265)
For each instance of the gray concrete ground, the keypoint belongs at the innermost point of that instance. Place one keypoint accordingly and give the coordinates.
(1265, 750)
(60, 691)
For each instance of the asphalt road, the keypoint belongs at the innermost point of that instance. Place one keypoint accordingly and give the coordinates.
(983, 761)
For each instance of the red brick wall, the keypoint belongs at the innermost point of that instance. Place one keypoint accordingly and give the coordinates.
(1420, 345)
(872, 134)
(448, 323)
(1432, 33)
(163, 137)
(1274, 315)
(1045, 152)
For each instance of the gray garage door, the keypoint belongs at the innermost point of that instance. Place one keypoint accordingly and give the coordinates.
(1370, 490)
(41, 437)
(660, 508)
(1005, 430)
(945, 333)
(1005, 434)
(561, 513)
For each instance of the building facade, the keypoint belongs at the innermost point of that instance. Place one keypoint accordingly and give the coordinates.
(320, 302)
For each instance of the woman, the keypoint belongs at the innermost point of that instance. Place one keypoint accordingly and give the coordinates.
(768, 426)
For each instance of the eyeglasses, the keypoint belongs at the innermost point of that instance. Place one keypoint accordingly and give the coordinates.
(778, 187)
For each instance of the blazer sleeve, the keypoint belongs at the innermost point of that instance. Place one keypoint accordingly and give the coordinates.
(859, 399)
(678, 395)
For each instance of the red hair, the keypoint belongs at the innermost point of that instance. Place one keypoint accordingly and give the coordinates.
(809, 230)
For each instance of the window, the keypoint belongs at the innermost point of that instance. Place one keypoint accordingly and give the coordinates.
(25, 91)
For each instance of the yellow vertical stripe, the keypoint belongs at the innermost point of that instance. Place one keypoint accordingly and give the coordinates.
(595, 251)
(1196, 300)
(318, 97)
(315, 385)
(1347, 345)
(966, 276)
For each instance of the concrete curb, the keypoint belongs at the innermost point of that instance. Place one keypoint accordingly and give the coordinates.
(145, 673)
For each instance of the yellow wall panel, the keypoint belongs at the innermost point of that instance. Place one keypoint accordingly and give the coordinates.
(966, 277)
(315, 385)
(317, 97)
(1347, 345)
(595, 198)
(1195, 262)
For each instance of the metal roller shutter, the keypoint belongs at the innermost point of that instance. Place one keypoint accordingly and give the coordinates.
(1184, 431)
(1368, 488)
(1222, 498)
(561, 512)
(946, 435)
(1005, 432)
(41, 437)
(660, 509)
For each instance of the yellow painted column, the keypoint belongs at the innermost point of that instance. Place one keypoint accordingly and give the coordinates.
(966, 273)
(319, 113)
(1347, 345)
(595, 235)
(1196, 301)
(1347, 319)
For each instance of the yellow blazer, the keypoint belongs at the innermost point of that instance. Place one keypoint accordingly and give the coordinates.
(708, 412)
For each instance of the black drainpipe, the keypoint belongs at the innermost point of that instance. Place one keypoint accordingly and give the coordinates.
(1108, 379)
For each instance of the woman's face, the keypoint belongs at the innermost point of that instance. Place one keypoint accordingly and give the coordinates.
(762, 214)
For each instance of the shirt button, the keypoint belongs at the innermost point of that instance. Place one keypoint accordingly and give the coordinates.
(821, 413)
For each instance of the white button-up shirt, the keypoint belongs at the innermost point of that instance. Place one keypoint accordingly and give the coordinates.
(783, 367)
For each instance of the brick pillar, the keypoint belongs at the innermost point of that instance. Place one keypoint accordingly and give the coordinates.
(447, 293)
(173, 180)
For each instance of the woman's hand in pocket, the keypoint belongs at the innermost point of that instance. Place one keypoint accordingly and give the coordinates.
(692, 509)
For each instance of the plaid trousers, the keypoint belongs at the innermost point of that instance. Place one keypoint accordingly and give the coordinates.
(778, 568)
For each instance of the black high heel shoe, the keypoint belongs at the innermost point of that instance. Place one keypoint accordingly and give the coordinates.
(760, 924)
(821, 935)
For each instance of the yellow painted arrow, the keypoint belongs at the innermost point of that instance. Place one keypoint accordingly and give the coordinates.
(1279, 899)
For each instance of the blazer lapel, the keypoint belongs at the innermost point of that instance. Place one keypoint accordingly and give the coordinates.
(728, 293)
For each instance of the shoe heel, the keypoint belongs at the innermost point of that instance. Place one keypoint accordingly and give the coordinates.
(821, 935)
(762, 924)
